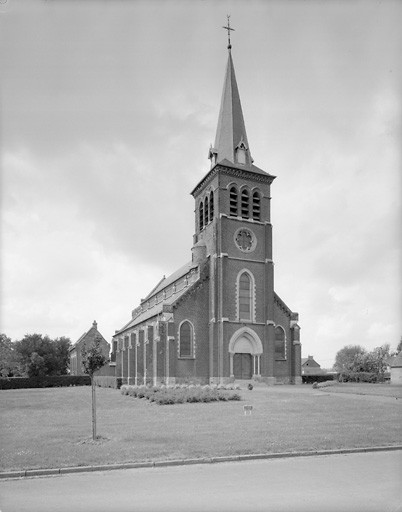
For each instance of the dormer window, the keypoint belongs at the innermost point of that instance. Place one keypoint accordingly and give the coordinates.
(241, 153)
(241, 156)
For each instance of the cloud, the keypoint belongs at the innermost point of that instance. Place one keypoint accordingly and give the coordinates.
(105, 130)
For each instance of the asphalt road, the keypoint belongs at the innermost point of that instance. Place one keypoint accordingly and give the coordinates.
(353, 482)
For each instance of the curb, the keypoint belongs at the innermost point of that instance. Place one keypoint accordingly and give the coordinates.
(26, 473)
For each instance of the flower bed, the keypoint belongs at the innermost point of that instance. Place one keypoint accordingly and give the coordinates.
(168, 395)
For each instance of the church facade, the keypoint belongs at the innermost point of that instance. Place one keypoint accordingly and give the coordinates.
(218, 319)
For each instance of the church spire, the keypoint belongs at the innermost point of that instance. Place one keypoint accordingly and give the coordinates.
(231, 139)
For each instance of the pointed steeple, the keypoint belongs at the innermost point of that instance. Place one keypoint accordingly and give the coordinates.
(231, 139)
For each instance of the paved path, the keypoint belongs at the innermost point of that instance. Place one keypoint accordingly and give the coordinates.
(348, 483)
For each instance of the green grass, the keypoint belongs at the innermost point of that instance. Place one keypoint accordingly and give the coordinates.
(44, 428)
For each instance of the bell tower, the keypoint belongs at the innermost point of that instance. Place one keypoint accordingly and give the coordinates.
(233, 222)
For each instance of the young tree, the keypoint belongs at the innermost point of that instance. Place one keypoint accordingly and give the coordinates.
(92, 360)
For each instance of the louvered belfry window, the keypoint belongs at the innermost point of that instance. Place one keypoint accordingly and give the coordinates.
(233, 200)
(256, 206)
(206, 211)
(245, 200)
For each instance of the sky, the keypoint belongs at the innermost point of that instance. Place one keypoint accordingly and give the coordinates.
(107, 113)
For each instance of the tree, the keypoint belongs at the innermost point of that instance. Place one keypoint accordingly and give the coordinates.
(354, 358)
(399, 347)
(348, 358)
(378, 360)
(55, 354)
(9, 366)
(92, 360)
(37, 366)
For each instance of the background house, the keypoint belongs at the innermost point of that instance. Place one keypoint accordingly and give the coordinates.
(396, 369)
(88, 339)
(310, 366)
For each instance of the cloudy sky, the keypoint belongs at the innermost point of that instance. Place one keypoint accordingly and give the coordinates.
(108, 110)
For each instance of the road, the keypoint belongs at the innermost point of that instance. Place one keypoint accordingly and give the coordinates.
(348, 483)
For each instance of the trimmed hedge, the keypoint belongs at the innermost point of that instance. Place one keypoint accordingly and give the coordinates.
(104, 381)
(346, 377)
(45, 382)
(320, 377)
(180, 394)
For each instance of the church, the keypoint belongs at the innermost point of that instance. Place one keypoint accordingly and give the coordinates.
(217, 319)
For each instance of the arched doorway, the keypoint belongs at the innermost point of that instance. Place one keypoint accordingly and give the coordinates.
(245, 349)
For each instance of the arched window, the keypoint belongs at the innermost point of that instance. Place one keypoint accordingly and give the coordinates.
(245, 200)
(233, 200)
(211, 206)
(256, 206)
(280, 345)
(186, 340)
(206, 211)
(245, 297)
(201, 216)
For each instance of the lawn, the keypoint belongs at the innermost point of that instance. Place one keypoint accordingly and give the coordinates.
(51, 428)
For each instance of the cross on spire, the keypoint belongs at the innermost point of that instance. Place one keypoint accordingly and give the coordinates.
(228, 28)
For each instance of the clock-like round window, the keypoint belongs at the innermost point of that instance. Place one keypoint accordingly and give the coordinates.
(245, 240)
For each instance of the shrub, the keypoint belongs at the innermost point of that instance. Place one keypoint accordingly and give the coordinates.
(125, 389)
(325, 384)
(141, 390)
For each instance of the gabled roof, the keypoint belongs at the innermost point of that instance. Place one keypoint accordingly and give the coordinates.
(88, 336)
(309, 358)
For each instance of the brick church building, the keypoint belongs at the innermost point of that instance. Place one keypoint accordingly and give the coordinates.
(218, 319)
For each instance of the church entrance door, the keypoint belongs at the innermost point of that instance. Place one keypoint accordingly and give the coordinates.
(242, 366)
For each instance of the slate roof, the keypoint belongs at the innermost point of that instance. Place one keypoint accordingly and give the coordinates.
(174, 286)
(166, 281)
